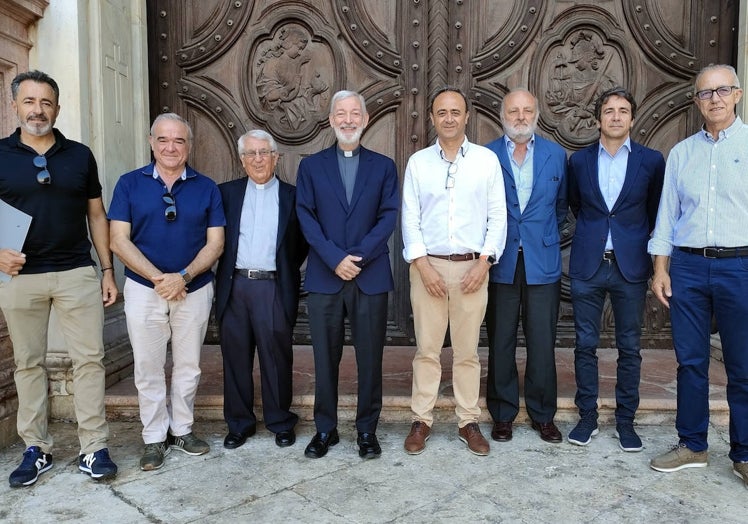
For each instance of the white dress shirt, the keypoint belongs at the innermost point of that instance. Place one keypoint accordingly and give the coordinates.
(467, 215)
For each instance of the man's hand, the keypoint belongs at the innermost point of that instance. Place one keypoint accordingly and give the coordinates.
(109, 290)
(170, 286)
(661, 280)
(661, 287)
(11, 261)
(347, 269)
(474, 278)
(432, 280)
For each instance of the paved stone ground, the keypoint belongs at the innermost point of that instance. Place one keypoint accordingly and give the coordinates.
(525, 480)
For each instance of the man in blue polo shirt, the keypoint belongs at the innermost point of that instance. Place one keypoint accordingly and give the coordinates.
(167, 228)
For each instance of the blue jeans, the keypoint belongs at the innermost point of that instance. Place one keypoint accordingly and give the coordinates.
(702, 286)
(627, 299)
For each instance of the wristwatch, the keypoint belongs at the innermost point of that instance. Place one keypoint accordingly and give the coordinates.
(186, 276)
(490, 260)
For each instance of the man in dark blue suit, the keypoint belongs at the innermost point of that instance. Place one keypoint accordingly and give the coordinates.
(257, 292)
(347, 203)
(614, 191)
(528, 274)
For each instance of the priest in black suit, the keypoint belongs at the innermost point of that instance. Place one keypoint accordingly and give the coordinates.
(257, 292)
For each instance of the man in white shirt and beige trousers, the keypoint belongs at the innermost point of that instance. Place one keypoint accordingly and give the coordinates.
(454, 229)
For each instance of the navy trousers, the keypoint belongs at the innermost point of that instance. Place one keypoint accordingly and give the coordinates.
(367, 315)
(627, 300)
(255, 318)
(702, 286)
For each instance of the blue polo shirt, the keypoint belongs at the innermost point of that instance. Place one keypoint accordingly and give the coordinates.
(170, 246)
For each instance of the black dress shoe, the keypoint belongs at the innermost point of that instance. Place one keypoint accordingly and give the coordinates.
(283, 439)
(368, 446)
(235, 440)
(502, 431)
(548, 431)
(320, 443)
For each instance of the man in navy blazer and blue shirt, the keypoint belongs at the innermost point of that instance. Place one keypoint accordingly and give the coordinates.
(257, 292)
(347, 202)
(528, 274)
(614, 190)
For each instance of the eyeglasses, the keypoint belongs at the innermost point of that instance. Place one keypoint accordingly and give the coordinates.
(706, 94)
(262, 153)
(170, 213)
(451, 170)
(43, 176)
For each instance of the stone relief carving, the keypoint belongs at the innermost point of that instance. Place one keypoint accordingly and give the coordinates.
(581, 70)
(289, 80)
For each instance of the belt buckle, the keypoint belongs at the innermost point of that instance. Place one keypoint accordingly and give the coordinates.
(712, 250)
(251, 274)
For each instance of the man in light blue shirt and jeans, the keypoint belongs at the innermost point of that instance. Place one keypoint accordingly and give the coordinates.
(701, 235)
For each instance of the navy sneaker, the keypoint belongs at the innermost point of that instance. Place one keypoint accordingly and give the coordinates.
(98, 465)
(628, 440)
(35, 462)
(583, 432)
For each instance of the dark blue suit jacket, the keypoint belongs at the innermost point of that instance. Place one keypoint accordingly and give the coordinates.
(290, 252)
(539, 225)
(335, 229)
(631, 220)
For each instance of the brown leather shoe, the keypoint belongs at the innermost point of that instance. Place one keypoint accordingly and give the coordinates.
(471, 435)
(548, 431)
(502, 431)
(415, 442)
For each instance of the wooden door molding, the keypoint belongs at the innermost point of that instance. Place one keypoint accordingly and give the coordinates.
(232, 66)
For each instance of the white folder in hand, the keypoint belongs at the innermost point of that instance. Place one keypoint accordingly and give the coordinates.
(14, 226)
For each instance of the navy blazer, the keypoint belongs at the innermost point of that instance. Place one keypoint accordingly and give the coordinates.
(290, 252)
(631, 220)
(540, 223)
(335, 229)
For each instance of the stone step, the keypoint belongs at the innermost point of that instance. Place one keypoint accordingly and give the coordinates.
(657, 405)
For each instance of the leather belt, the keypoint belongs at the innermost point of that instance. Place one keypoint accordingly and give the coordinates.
(717, 252)
(609, 255)
(458, 258)
(255, 274)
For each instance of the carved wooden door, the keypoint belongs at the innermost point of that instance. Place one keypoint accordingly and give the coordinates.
(229, 66)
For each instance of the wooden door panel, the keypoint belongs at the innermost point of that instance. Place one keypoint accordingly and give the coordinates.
(232, 66)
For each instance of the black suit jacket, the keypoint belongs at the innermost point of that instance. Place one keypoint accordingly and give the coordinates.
(291, 248)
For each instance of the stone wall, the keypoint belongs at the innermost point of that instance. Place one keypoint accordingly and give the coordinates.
(96, 51)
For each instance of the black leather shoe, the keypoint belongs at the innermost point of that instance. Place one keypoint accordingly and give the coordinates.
(548, 431)
(283, 439)
(368, 446)
(236, 440)
(320, 443)
(502, 431)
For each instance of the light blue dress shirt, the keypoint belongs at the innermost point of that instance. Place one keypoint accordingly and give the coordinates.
(611, 174)
(704, 199)
(258, 229)
(523, 175)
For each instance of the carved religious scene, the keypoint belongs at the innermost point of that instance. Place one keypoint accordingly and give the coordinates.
(290, 82)
(582, 69)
